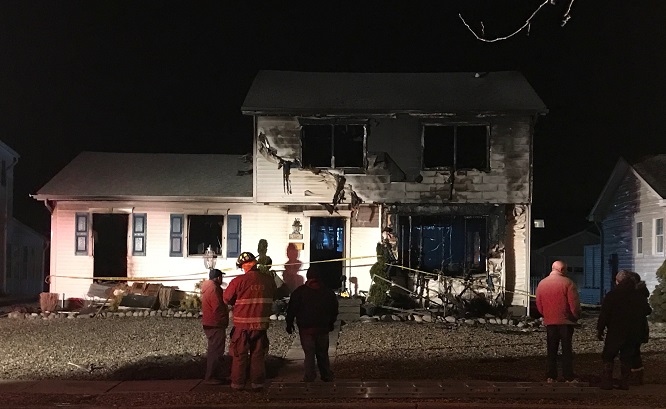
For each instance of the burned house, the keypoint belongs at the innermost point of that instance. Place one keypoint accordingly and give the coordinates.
(438, 164)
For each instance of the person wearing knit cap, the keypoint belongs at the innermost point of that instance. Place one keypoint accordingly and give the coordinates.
(215, 319)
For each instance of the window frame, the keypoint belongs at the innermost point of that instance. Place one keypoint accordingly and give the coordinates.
(310, 122)
(176, 235)
(139, 233)
(455, 126)
(658, 236)
(188, 220)
(81, 233)
(639, 238)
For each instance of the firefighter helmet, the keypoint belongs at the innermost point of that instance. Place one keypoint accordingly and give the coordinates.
(244, 257)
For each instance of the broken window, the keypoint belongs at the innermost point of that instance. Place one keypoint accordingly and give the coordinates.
(455, 146)
(204, 231)
(454, 245)
(333, 145)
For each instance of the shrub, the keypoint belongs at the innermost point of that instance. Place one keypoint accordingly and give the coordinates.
(658, 297)
(379, 288)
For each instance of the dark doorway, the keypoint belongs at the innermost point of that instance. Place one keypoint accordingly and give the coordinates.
(454, 245)
(110, 245)
(327, 242)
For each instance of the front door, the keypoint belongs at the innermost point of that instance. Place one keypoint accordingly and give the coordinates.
(110, 245)
(327, 242)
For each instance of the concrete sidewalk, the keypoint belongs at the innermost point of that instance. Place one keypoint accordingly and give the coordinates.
(357, 389)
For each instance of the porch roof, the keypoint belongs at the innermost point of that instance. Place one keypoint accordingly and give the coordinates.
(150, 176)
(327, 93)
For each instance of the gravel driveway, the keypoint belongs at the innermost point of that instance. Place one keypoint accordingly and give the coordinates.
(171, 348)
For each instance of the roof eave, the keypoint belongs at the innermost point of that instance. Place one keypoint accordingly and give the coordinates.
(385, 113)
(205, 199)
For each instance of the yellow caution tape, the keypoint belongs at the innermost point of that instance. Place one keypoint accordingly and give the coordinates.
(195, 276)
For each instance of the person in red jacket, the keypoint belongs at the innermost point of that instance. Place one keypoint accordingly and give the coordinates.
(215, 320)
(558, 301)
(251, 296)
(315, 308)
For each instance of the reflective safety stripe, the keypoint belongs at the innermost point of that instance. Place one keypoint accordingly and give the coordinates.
(250, 320)
(245, 301)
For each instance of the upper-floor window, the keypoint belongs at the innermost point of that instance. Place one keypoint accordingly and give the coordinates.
(455, 146)
(639, 238)
(659, 236)
(333, 145)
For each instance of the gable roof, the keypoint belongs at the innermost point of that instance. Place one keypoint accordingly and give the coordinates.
(651, 171)
(312, 93)
(150, 176)
(576, 240)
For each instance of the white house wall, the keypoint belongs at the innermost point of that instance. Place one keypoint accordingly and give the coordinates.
(259, 221)
(633, 202)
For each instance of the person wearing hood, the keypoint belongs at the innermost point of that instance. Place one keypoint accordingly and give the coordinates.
(637, 369)
(622, 316)
(315, 309)
(558, 301)
(251, 294)
(215, 319)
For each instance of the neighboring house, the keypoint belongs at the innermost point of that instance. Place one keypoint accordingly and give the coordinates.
(570, 249)
(22, 249)
(440, 162)
(439, 165)
(630, 213)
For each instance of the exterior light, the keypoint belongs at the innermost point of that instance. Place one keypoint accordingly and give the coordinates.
(539, 223)
(296, 227)
(209, 258)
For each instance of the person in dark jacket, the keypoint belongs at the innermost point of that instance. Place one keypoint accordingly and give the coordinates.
(637, 369)
(623, 312)
(215, 319)
(315, 308)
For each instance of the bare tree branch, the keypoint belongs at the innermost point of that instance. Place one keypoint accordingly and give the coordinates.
(528, 23)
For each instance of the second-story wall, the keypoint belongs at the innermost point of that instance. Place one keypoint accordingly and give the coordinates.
(508, 179)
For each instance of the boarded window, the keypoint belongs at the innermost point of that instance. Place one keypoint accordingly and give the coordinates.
(454, 245)
(333, 145)
(455, 146)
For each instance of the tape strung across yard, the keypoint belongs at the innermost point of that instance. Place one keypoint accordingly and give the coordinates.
(195, 276)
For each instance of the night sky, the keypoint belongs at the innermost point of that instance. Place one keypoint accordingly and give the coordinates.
(161, 76)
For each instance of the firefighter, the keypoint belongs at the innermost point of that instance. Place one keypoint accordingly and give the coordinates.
(251, 296)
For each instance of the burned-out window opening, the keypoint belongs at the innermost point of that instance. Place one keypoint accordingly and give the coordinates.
(455, 146)
(333, 145)
(204, 231)
(454, 245)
